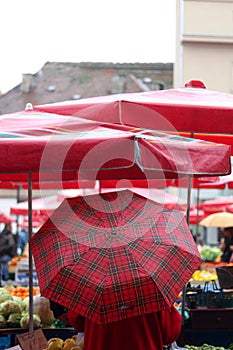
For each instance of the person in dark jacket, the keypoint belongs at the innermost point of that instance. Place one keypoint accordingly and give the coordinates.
(7, 249)
(227, 244)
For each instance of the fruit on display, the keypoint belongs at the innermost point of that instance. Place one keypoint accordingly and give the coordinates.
(18, 291)
(203, 275)
(54, 344)
(67, 344)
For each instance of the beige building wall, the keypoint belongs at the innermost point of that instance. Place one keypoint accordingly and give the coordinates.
(204, 43)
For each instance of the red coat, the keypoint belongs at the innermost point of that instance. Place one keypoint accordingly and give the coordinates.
(146, 332)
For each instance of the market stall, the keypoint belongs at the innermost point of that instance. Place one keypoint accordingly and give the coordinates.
(99, 151)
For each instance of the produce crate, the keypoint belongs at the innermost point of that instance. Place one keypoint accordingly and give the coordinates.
(209, 299)
(22, 273)
(225, 277)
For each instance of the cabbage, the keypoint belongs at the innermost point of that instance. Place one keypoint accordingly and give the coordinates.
(24, 322)
(19, 300)
(14, 319)
(5, 296)
(25, 302)
(9, 307)
(2, 321)
(41, 307)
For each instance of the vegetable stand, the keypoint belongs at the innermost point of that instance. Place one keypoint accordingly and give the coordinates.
(12, 333)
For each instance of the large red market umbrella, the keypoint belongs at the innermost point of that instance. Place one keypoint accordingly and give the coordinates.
(50, 144)
(192, 110)
(114, 255)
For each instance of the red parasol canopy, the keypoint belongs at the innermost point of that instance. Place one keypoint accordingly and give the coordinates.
(39, 142)
(192, 111)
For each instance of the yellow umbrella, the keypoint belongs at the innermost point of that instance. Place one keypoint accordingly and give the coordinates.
(222, 219)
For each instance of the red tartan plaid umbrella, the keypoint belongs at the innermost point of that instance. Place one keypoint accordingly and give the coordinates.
(114, 255)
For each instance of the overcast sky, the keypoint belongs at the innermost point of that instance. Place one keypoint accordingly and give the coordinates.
(35, 32)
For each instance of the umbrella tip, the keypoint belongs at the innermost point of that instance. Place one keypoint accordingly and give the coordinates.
(195, 84)
(29, 107)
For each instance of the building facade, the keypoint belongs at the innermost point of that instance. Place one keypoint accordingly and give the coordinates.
(204, 43)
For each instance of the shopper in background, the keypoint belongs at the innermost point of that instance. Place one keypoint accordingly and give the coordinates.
(226, 245)
(7, 249)
(22, 240)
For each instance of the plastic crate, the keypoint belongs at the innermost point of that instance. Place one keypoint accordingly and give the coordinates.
(22, 273)
(225, 276)
(209, 299)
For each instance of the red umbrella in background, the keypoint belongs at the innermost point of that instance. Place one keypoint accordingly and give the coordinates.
(5, 218)
(196, 215)
(197, 212)
(114, 255)
(40, 206)
(229, 208)
(221, 183)
(204, 182)
(216, 205)
(162, 197)
(192, 111)
(37, 221)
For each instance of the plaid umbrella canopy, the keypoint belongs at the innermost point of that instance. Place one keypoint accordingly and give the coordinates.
(114, 255)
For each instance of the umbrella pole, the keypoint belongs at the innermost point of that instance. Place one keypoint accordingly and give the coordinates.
(18, 200)
(197, 216)
(120, 112)
(189, 198)
(188, 222)
(29, 252)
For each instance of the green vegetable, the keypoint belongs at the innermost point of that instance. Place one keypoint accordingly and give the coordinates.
(9, 307)
(25, 319)
(19, 300)
(14, 319)
(5, 296)
(209, 253)
(41, 307)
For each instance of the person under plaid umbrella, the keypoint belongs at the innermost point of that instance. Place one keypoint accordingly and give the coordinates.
(114, 255)
(151, 331)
